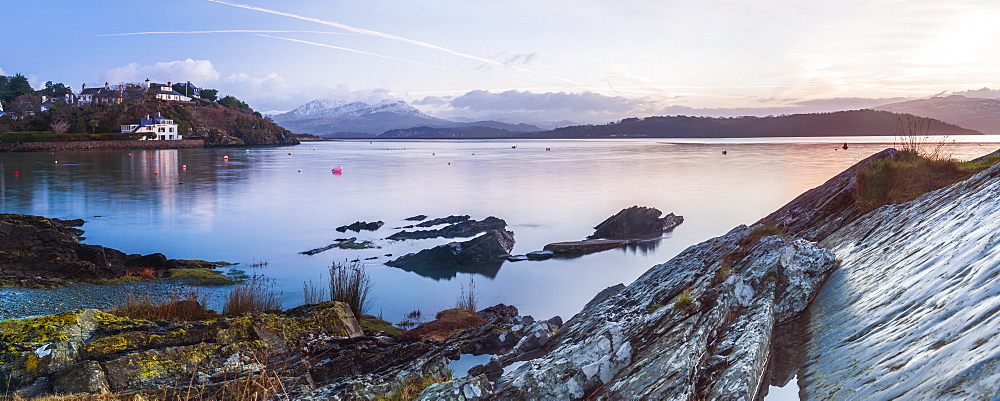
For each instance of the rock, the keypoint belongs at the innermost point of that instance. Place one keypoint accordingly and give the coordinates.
(488, 248)
(647, 342)
(585, 246)
(82, 378)
(466, 228)
(492, 369)
(445, 324)
(517, 258)
(39, 252)
(444, 220)
(418, 217)
(361, 225)
(912, 311)
(342, 243)
(466, 388)
(540, 255)
(636, 222)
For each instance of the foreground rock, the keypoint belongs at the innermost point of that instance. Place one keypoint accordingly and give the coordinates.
(41, 252)
(463, 228)
(89, 351)
(699, 326)
(485, 252)
(912, 312)
(635, 222)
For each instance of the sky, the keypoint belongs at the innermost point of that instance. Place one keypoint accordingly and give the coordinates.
(584, 61)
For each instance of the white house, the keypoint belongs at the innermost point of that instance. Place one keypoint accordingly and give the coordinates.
(164, 128)
(166, 92)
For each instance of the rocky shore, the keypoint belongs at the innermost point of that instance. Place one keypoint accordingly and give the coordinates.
(99, 145)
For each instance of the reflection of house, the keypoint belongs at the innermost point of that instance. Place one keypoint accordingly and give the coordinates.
(164, 128)
(166, 92)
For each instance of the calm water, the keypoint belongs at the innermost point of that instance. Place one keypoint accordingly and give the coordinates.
(257, 206)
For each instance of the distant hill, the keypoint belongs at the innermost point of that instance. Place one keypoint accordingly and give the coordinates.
(979, 114)
(841, 123)
(332, 118)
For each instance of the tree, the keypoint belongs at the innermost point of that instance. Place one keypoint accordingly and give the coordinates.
(55, 89)
(94, 124)
(210, 94)
(81, 126)
(16, 86)
(233, 103)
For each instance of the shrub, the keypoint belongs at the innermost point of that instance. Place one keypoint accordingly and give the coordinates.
(349, 282)
(178, 305)
(251, 296)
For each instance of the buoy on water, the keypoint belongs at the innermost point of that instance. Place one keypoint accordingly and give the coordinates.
(156, 173)
(225, 157)
(300, 170)
(184, 167)
(16, 172)
(338, 169)
(845, 146)
(724, 152)
(449, 163)
(548, 149)
(289, 153)
(57, 161)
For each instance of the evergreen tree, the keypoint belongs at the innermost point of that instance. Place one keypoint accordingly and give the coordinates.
(81, 126)
(16, 86)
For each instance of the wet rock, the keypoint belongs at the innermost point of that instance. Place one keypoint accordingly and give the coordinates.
(540, 255)
(492, 369)
(342, 243)
(517, 258)
(466, 228)
(586, 246)
(419, 217)
(361, 225)
(635, 222)
(488, 248)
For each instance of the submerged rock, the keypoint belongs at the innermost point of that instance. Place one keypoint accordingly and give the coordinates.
(586, 246)
(636, 221)
(444, 220)
(463, 228)
(490, 248)
(361, 225)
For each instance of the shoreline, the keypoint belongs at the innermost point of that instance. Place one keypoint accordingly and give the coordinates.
(100, 145)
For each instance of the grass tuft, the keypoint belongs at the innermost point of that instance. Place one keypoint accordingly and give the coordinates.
(350, 283)
(684, 300)
(179, 305)
(254, 295)
(411, 390)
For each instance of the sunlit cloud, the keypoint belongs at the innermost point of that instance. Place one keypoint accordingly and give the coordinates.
(221, 31)
(383, 35)
(357, 51)
(200, 72)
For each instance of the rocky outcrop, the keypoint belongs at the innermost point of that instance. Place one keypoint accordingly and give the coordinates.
(820, 211)
(444, 220)
(912, 313)
(636, 222)
(463, 228)
(698, 326)
(41, 252)
(361, 225)
(488, 250)
(88, 351)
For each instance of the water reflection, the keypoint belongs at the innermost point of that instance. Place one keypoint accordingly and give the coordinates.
(449, 271)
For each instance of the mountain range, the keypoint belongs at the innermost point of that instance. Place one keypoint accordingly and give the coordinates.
(332, 118)
(979, 114)
(951, 115)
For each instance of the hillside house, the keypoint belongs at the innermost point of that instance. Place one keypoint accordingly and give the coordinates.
(104, 95)
(164, 129)
(166, 92)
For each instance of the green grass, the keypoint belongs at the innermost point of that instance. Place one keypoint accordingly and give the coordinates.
(369, 323)
(684, 300)
(893, 181)
(201, 276)
(412, 389)
(356, 245)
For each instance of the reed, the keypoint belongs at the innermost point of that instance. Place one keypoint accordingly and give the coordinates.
(254, 295)
(350, 283)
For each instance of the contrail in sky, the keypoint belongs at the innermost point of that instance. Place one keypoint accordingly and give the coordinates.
(359, 51)
(225, 31)
(398, 38)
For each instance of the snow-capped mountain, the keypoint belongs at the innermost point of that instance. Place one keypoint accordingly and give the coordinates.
(333, 118)
(979, 114)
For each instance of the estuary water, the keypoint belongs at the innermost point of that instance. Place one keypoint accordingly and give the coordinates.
(270, 204)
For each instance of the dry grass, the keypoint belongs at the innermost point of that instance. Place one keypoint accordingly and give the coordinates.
(147, 273)
(184, 305)
(254, 295)
(446, 323)
(313, 293)
(350, 283)
(412, 389)
(469, 300)
(892, 181)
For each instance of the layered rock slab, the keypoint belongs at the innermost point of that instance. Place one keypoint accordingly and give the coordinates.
(913, 312)
(699, 325)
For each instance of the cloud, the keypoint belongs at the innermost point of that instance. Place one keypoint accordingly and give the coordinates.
(199, 72)
(2, 72)
(984, 93)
